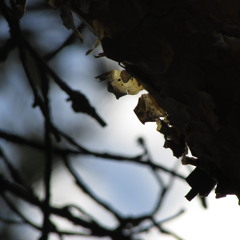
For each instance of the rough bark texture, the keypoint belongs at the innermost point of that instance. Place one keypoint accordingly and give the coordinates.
(186, 53)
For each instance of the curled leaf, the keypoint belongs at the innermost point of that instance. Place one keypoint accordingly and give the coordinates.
(121, 83)
(147, 110)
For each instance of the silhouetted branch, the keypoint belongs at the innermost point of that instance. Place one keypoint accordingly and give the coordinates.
(48, 155)
(84, 151)
(6, 48)
(37, 68)
(13, 171)
(79, 102)
(13, 207)
(79, 181)
(69, 40)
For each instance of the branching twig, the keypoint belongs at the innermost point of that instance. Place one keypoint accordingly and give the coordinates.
(127, 227)
(67, 42)
(140, 229)
(79, 102)
(84, 187)
(13, 207)
(14, 138)
(165, 231)
(13, 172)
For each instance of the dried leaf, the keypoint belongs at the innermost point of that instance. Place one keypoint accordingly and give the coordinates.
(159, 124)
(148, 110)
(125, 76)
(121, 86)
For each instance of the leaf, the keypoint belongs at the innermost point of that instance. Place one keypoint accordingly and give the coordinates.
(201, 183)
(147, 110)
(121, 83)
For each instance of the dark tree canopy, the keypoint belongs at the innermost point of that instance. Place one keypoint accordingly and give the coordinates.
(185, 53)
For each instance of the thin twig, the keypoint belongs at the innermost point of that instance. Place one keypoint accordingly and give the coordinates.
(166, 189)
(165, 231)
(63, 212)
(79, 101)
(48, 155)
(12, 206)
(11, 221)
(147, 228)
(85, 188)
(13, 172)
(14, 138)
(69, 40)
(156, 175)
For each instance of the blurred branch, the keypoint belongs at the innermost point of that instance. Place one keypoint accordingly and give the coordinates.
(44, 106)
(13, 207)
(11, 221)
(25, 220)
(19, 191)
(164, 188)
(48, 154)
(29, 57)
(6, 48)
(69, 40)
(14, 138)
(158, 223)
(79, 102)
(84, 187)
(168, 232)
(65, 212)
(13, 172)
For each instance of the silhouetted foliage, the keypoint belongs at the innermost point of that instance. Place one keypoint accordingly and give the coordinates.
(186, 55)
